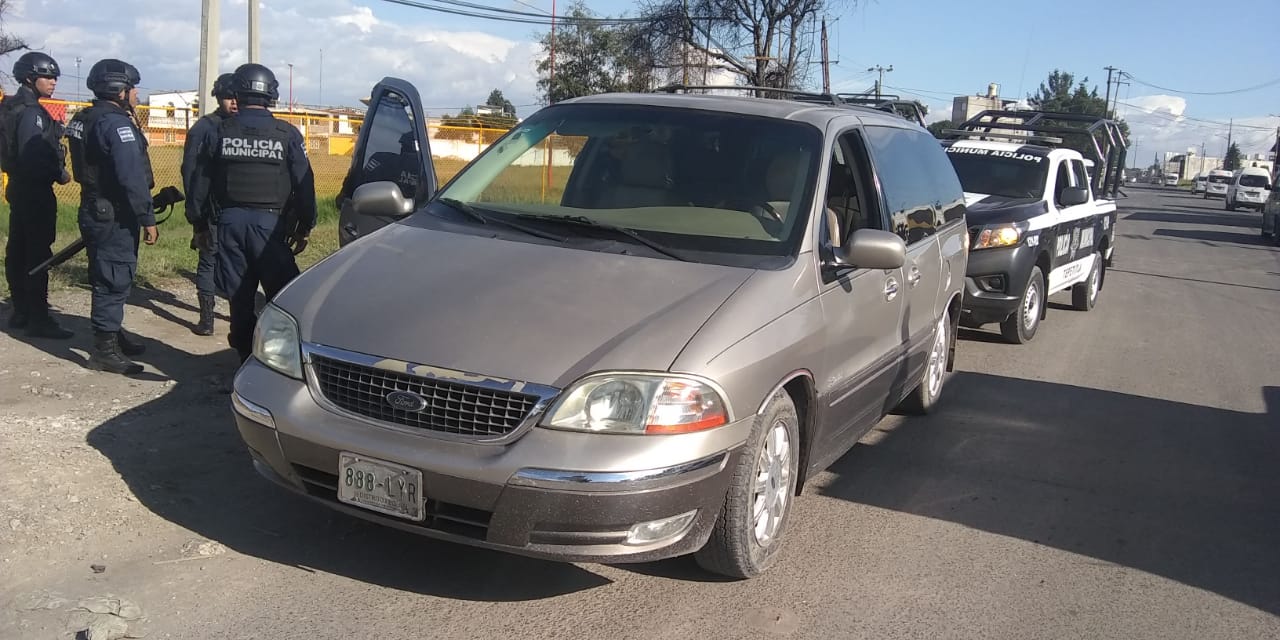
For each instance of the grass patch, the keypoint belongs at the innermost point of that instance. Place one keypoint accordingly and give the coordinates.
(172, 257)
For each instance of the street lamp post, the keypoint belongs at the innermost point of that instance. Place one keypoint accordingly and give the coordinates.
(78, 82)
(290, 87)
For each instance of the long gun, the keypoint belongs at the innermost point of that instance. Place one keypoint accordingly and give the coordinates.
(165, 199)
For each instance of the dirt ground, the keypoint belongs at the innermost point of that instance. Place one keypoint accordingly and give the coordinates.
(83, 450)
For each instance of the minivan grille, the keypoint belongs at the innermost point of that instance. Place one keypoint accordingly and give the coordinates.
(451, 407)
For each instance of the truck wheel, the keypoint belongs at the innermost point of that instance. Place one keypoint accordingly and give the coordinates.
(749, 530)
(925, 395)
(1085, 294)
(1021, 326)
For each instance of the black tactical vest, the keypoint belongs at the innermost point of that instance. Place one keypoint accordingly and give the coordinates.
(86, 159)
(10, 110)
(251, 171)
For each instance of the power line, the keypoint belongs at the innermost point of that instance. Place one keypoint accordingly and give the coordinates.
(1174, 118)
(1204, 93)
(471, 10)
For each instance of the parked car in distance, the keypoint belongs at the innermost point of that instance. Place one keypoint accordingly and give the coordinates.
(1250, 188)
(631, 329)
(1199, 184)
(1219, 180)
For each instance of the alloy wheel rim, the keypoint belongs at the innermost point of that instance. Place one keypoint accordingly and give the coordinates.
(770, 490)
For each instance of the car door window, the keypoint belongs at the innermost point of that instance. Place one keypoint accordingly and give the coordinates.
(1081, 175)
(1063, 181)
(910, 190)
(391, 152)
(849, 205)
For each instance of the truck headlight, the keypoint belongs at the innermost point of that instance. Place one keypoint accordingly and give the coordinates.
(275, 342)
(639, 404)
(999, 235)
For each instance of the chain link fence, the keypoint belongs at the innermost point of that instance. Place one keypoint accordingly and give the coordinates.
(330, 137)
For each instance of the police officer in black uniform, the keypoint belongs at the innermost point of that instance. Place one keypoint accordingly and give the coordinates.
(206, 241)
(34, 161)
(257, 165)
(109, 159)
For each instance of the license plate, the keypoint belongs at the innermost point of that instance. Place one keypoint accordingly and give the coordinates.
(380, 486)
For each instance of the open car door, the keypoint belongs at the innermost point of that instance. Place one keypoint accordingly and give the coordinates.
(392, 146)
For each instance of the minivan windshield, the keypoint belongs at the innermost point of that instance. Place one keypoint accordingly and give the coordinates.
(1020, 177)
(716, 187)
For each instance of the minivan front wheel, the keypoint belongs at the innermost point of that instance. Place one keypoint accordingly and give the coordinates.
(753, 520)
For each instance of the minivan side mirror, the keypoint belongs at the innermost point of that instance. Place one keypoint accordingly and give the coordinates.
(1072, 196)
(870, 249)
(383, 199)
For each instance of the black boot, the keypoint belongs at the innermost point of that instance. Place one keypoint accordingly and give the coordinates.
(106, 355)
(129, 346)
(19, 319)
(46, 327)
(205, 327)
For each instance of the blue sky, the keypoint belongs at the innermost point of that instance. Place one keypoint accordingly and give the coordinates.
(938, 49)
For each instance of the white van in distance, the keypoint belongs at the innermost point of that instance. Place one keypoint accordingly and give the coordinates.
(1251, 188)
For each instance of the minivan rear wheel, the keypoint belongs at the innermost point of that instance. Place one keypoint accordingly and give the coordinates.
(757, 506)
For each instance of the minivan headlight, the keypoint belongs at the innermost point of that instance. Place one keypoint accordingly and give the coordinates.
(275, 342)
(639, 404)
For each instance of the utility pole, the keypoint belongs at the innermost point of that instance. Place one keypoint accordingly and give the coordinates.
(1230, 125)
(684, 46)
(1115, 104)
(1107, 102)
(255, 44)
(210, 19)
(880, 81)
(826, 60)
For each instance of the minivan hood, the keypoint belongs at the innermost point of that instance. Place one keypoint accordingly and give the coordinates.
(522, 311)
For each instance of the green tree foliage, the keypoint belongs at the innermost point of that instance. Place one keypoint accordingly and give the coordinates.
(591, 58)
(496, 99)
(1232, 161)
(1061, 93)
(938, 127)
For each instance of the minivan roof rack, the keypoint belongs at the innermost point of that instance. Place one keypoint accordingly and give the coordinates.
(908, 109)
(1108, 144)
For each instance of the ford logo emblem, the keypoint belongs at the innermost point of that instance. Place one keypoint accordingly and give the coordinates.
(406, 401)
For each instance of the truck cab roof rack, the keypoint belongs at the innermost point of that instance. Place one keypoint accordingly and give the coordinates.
(1051, 128)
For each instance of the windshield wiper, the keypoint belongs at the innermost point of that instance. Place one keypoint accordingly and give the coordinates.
(476, 215)
(583, 221)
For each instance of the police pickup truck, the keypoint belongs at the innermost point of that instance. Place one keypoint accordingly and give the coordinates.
(1036, 226)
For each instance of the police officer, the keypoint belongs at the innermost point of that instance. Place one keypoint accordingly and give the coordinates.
(257, 165)
(109, 159)
(206, 241)
(34, 161)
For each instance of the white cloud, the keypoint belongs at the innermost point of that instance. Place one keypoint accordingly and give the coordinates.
(450, 68)
(1161, 123)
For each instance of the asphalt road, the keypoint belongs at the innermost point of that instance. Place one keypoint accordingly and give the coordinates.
(1118, 477)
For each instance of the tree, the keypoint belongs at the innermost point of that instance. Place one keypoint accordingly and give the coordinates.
(1061, 93)
(938, 127)
(1232, 161)
(592, 57)
(8, 42)
(763, 42)
(496, 99)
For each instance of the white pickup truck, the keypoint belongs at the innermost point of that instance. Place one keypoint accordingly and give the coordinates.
(1035, 229)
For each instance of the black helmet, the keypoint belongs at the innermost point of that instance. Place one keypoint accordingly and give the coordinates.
(34, 64)
(109, 77)
(254, 80)
(224, 86)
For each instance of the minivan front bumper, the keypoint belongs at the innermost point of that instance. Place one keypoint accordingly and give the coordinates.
(549, 494)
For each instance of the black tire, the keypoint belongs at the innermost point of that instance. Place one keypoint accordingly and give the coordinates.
(733, 549)
(925, 396)
(1013, 328)
(1226, 204)
(1084, 296)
